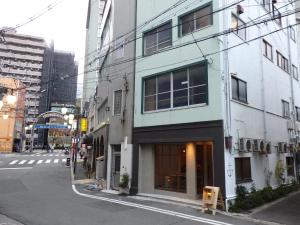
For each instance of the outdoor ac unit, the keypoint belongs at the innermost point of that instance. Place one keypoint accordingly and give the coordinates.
(261, 146)
(255, 145)
(245, 145)
(291, 147)
(282, 147)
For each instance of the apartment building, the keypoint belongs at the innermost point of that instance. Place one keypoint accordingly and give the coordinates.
(21, 57)
(216, 96)
(111, 110)
(92, 48)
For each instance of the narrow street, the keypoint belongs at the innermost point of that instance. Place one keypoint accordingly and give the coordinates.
(40, 193)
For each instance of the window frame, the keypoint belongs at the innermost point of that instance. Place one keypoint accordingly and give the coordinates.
(114, 108)
(244, 176)
(152, 30)
(236, 29)
(297, 109)
(292, 34)
(266, 44)
(290, 172)
(265, 3)
(171, 72)
(283, 105)
(295, 68)
(284, 62)
(277, 18)
(208, 4)
(238, 89)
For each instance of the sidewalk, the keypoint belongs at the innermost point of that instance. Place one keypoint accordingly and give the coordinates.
(4, 220)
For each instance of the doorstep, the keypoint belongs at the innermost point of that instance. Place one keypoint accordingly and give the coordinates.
(84, 181)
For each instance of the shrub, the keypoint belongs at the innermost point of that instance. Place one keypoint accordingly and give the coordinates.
(124, 181)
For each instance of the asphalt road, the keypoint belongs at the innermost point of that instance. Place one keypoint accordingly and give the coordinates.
(41, 193)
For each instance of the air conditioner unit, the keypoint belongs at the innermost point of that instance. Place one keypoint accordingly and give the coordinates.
(256, 145)
(291, 148)
(282, 147)
(261, 146)
(245, 145)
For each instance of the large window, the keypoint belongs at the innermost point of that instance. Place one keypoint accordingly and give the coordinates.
(117, 102)
(157, 39)
(267, 50)
(196, 20)
(243, 170)
(285, 109)
(238, 26)
(290, 166)
(183, 87)
(282, 62)
(239, 89)
(170, 167)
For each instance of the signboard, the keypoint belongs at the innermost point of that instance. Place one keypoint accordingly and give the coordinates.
(83, 124)
(52, 115)
(50, 126)
(211, 198)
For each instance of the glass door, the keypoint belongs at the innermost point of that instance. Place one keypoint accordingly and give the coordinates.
(116, 166)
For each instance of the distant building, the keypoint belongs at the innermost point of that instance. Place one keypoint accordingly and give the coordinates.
(21, 57)
(12, 116)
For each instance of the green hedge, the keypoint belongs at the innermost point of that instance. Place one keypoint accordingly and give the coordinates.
(248, 200)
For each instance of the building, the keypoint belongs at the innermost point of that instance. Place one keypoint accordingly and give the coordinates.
(111, 107)
(92, 48)
(21, 57)
(12, 111)
(217, 96)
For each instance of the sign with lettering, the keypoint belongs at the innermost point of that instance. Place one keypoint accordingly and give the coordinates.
(83, 125)
(52, 115)
(50, 126)
(212, 197)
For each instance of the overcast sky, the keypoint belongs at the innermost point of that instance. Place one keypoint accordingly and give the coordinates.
(64, 24)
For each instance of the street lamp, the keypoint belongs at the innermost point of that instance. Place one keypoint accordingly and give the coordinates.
(64, 110)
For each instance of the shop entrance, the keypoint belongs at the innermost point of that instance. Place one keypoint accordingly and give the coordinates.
(204, 165)
(116, 166)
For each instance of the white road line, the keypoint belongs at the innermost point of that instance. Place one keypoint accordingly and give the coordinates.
(56, 160)
(22, 162)
(40, 161)
(48, 161)
(13, 162)
(64, 160)
(18, 168)
(50, 155)
(31, 161)
(153, 209)
(57, 155)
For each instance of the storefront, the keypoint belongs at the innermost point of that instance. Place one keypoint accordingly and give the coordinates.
(178, 160)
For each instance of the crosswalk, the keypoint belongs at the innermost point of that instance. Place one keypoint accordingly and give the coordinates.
(33, 161)
(45, 155)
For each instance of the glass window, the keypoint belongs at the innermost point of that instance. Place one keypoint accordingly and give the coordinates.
(266, 4)
(150, 94)
(238, 26)
(293, 34)
(285, 109)
(180, 85)
(164, 91)
(267, 51)
(282, 62)
(117, 102)
(298, 113)
(196, 20)
(239, 89)
(295, 72)
(170, 167)
(290, 166)
(243, 170)
(158, 39)
(197, 85)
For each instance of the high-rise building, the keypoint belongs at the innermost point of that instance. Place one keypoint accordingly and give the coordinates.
(21, 57)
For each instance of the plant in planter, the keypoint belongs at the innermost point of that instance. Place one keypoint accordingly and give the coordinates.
(279, 172)
(123, 185)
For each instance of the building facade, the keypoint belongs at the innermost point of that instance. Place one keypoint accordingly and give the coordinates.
(206, 106)
(111, 108)
(21, 57)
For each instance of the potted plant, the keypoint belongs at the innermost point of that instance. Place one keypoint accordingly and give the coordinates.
(123, 185)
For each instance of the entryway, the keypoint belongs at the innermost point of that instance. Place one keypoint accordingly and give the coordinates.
(115, 166)
(204, 165)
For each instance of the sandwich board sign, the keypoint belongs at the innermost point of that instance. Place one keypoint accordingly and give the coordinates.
(211, 198)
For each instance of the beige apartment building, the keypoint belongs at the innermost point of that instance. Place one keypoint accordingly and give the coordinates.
(21, 57)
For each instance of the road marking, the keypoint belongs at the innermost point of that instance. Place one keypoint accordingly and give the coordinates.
(64, 160)
(51, 155)
(153, 209)
(57, 155)
(22, 162)
(40, 161)
(48, 161)
(13, 162)
(31, 161)
(56, 160)
(18, 168)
